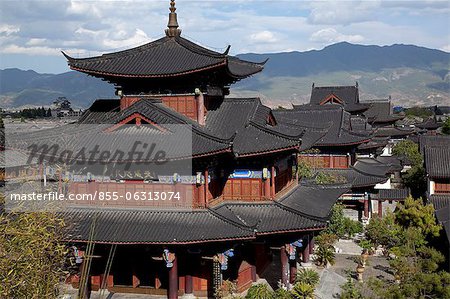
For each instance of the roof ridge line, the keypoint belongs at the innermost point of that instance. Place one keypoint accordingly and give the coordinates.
(187, 44)
(228, 220)
(279, 134)
(292, 210)
(366, 173)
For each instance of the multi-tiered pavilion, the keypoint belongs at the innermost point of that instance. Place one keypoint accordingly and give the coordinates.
(244, 186)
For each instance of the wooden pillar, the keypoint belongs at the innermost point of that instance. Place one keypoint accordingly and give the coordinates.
(311, 244)
(292, 271)
(306, 250)
(188, 284)
(172, 292)
(284, 266)
(200, 109)
(366, 208)
(267, 188)
(188, 281)
(380, 208)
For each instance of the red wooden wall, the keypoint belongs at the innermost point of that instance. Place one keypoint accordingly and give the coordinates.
(326, 161)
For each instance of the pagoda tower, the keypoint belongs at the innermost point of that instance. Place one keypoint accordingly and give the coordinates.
(187, 77)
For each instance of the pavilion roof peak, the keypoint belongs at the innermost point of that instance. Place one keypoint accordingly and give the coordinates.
(172, 27)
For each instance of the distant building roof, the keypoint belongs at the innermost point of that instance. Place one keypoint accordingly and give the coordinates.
(437, 161)
(333, 119)
(346, 96)
(380, 111)
(433, 141)
(391, 194)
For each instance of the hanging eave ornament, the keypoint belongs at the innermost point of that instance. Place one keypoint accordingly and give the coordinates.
(168, 257)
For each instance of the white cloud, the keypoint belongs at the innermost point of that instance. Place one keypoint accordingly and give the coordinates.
(139, 37)
(15, 49)
(8, 29)
(263, 37)
(342, 12)
(330, 35)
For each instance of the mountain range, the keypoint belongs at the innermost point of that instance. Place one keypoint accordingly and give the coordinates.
(411, 75)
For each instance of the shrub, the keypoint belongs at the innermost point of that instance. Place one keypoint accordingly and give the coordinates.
(260, 291)
(302, 291)
(307, 276)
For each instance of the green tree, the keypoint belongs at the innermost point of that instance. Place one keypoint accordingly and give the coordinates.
(419, 112)
(349, 290)
(336, 225)
(446, 127)
(384, 231)
(415, 264)
(415, 177)
(413, 213)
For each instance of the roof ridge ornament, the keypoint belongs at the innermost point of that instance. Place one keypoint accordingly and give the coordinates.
(172, 27)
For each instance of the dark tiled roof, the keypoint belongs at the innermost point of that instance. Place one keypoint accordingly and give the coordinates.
(314, 201)
(165, 57)
(374, 143)
(174, 140)
(394, 162)
(299, 210)
(246, 120)
(373, 166)
(433, 141)
(429, 124)
(331, 118)
(441, 205)
(150, 226)
(355, 177)
(391, 194)
(437, 162)
(347, 94)
(393, 132)
(381, 112)
(269, 217)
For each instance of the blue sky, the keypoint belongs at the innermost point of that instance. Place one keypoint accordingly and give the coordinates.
(32, 33)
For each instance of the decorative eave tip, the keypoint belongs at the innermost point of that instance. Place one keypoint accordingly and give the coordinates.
(172, 27)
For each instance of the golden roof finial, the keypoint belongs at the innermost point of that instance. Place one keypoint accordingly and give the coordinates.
(172, 29)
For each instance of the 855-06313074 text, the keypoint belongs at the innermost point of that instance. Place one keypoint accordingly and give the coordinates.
(97, 195)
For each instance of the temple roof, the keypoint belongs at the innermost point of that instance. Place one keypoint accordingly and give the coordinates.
(393, 132)
(433, 141)
(332, 124)
(165, 57)
(391, 194)
(346, 96)
(429, 124)
(380, 111)
(141, 226)
(376, 142)
(247, 130)
(299, 210)
(437, 161)
(248, 120)
(365, 172)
